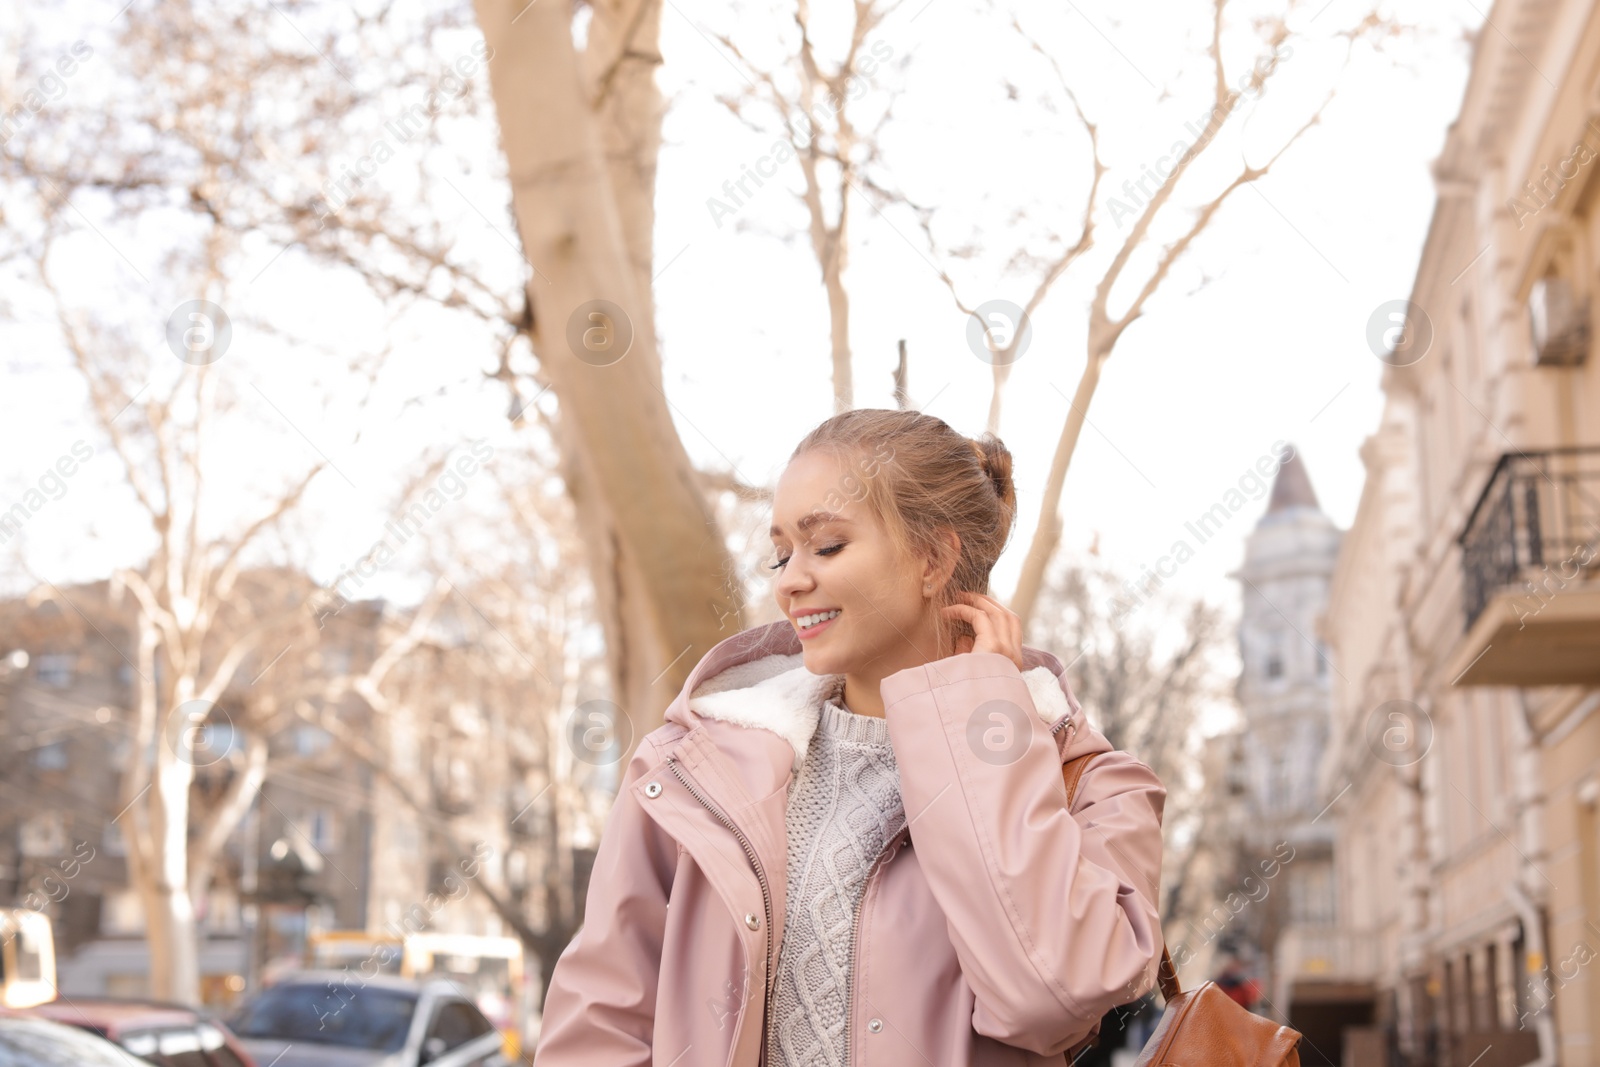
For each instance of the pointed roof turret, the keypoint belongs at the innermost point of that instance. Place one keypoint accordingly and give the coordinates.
(1292, 487)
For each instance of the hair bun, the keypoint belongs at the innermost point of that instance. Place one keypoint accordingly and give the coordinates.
(995, 460)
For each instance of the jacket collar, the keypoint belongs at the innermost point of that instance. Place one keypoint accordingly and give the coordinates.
(757, 679)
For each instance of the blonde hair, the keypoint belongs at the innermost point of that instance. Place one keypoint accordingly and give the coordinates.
(919, 477)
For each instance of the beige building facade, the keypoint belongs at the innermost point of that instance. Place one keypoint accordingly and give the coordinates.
(1463, 769)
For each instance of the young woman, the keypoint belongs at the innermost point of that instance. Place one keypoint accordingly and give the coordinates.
(849, 843)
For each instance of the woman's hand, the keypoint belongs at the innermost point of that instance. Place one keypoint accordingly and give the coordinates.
(995, 627)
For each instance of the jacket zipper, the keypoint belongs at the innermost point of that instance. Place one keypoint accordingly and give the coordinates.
(761, 876)
(855, 931)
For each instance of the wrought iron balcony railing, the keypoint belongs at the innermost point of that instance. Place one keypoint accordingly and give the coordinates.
(1535, 527)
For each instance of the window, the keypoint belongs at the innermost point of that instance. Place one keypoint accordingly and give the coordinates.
(1465, 329)
(1275, 783)
(51, 757)
(216, 740)
(309, 740)
(517, 869)
(1311, 897)
(55, 669)
(320, 829)
(456, 1022)
(328, 1013)
(1272, 656)
(1283, 787)
(1558, 321)
(222, 913)
(44, 835)
(48, 1044)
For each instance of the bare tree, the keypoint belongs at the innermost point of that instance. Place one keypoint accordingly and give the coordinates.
(1141, 264)
(177, 146)
(194, 628)
(190, 642)
(553, 748)
(805, 100)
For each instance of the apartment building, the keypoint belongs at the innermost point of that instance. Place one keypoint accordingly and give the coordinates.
(333, 841)
(1463, 769)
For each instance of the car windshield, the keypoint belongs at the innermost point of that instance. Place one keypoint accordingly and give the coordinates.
(36, 1043)
(329, 1013)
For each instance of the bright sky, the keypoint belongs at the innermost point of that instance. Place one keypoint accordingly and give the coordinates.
(1273, 348)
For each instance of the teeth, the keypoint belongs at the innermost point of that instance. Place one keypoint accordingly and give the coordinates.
(807, 621)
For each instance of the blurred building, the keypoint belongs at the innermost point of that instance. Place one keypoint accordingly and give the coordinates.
(1286, 934)
(1463, 769)
(336, 840)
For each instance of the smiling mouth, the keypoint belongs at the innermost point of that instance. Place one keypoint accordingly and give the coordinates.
(814, 623)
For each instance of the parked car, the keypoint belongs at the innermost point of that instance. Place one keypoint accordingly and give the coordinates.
(168, 1035)
(28, 1041)
(342, 1019)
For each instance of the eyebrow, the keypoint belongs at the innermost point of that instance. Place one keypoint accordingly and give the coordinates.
(813, 519)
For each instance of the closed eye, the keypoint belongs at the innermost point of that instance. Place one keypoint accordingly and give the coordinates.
(828, 551)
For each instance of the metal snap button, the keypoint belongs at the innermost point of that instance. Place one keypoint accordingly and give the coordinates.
(653, 790)
(753, 921)
(875, 1025)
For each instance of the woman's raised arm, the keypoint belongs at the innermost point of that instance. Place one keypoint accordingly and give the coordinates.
(1053, 916)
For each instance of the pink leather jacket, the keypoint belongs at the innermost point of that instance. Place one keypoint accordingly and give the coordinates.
(995, 929)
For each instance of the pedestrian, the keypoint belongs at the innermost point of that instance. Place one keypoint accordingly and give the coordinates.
(1234, 980)
(849, 841)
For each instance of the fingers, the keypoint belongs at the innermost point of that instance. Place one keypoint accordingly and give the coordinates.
(995, 626)
(1006, 620)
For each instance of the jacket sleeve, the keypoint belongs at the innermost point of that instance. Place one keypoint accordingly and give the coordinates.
(1053, 916)
(600, 1008)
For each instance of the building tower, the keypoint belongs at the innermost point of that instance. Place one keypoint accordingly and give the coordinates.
(1285, 696)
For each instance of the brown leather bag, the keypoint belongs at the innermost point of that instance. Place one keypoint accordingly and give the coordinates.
(1203, 1027)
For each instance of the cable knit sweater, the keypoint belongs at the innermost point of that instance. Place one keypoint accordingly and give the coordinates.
(843, 809)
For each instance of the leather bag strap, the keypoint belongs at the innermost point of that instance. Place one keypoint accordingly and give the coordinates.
(1167, 975)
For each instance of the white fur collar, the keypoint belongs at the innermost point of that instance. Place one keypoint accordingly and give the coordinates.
(777, 693)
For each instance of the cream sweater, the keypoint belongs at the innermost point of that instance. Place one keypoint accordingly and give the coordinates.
(843, 809)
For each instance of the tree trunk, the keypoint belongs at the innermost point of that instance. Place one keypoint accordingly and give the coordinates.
(169, 914)
(1048, 533)
(582, 169)
(632, 637)
(839, 321)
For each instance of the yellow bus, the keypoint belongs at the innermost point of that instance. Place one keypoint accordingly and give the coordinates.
(27, 958)
(487, 970)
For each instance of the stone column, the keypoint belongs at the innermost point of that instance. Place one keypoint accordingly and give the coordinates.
(1507, 969)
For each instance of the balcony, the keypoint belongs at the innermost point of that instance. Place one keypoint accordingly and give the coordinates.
(1318, 952)
(1530, 559)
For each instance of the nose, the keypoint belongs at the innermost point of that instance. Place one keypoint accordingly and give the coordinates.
(794, 580)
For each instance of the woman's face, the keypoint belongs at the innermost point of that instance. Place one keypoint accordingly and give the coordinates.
(836, 556)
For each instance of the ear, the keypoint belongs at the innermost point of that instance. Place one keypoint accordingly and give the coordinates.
(936, 571)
